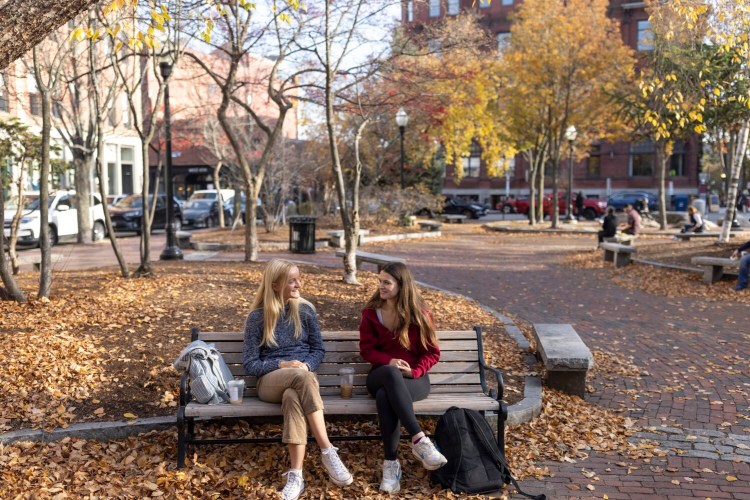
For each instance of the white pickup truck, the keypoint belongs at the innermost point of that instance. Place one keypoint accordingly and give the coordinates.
(63, 218)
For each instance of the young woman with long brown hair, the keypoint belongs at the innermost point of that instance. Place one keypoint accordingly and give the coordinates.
(397, 337)
(283, 348)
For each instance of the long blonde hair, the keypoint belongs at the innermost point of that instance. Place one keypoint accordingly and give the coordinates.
(410, 308)
(271, 301)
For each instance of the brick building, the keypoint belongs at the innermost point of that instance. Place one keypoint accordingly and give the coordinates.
(609, 167)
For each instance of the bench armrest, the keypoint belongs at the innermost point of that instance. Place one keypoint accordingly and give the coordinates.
(184, 390)
(498, 377)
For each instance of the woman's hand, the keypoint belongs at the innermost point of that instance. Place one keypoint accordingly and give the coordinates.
(403, 366)
(294, 364)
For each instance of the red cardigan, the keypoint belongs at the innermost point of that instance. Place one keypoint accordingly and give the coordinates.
(379, 346)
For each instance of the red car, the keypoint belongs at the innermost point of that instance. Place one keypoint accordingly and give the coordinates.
(592, 207)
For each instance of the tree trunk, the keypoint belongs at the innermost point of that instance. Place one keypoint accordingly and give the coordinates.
(82, 165)
(555, 208)
(219, 197)
(25, 23)
(738, 154)
(16, 222)
(11, 289)
(144, 268)
(661, 162)
(45, 275)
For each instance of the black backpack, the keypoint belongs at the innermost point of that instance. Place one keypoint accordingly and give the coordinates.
(475, 463)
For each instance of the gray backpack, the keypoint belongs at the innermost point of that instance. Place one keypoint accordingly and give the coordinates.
(209, 373)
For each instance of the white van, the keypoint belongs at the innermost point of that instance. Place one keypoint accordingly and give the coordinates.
(63, 218)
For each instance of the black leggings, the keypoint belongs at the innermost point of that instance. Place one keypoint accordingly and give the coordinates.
(394, 395)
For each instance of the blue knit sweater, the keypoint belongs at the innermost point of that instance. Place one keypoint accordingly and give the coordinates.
(308, 348)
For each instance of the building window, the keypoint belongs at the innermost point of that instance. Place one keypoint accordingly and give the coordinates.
(594, 162)
(434, 47)
(410, 11)
(484, 3)
(35, 104)
(677, 160)
(434, 8)
(57, 109)
(642, 159)
(453, 7)
(503, 42)
(645, 36)
(472, 162)
(126, 112)
(111, 116)
(3, 95)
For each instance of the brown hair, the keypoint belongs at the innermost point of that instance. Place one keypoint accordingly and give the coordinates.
(410, 308)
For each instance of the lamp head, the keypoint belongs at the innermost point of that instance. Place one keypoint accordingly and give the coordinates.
(571, 133)
(402, 118)
(165, 65)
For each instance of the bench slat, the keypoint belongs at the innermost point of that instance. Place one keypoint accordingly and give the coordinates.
(329, 336)
(353, 346)
(235, 358)
(435, 403)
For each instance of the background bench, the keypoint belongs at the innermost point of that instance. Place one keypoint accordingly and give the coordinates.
(713, 267)
(430, 225)
(453, 218)
(687, 236)
(337, 237)
(374, 258)
(622, 239)
(459, 379)
(617, 253)
(565, 356)
(35, 259)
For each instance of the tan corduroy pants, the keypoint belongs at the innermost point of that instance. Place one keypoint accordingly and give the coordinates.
(299, 394)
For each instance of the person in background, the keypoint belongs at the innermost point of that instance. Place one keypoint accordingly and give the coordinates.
(696, 221)
(744, 274)
(609, 225)
(397, 337)
(579, 204)
(633, 225)
(283, 347)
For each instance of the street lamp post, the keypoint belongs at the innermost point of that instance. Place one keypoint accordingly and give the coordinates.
(172, 250)
(570, 135)
(401, 120)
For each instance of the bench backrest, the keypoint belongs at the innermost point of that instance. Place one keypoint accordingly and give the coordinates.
(457, 371)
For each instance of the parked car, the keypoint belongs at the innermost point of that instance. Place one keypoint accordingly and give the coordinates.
(455, 205)
(204, 213)
(619, 200)
(127, 213)
(112, 199)
(63, 218)
(522, 205)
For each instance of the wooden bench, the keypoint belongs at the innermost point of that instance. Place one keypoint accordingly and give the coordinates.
(453, 218)
(337, 237)
(565, 356)
(429, 225)
(713, 267)
(687, 236)
(374, 258)
(619, 254)
(183, 240)
(459, 379)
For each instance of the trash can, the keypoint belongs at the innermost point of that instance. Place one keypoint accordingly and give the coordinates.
(680, 202)
(302, 234)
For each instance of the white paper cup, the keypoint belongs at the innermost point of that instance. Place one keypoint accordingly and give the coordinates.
(236, 389)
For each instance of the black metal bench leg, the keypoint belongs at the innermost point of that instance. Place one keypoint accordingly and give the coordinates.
(502, 416)
(181, 438)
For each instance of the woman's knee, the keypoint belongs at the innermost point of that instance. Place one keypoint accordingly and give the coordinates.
(290, 403)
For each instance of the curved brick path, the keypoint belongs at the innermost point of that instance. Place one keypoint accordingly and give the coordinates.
(695, 396)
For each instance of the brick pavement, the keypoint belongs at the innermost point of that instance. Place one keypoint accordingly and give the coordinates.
(693, 397)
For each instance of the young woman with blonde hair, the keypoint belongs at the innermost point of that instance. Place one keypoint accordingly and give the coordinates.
(283, 347)
(397, 337)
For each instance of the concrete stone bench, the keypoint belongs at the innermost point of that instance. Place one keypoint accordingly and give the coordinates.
(337, 237)
(374, 258)
(429, 225)
(620, 255)
(36, 259)
(622, 239)
(453, 218)
(687, 236)
(713, 267)
(565, 356)
(183, 240)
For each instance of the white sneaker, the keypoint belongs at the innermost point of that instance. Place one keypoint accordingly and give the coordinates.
(337, 471)
(391, 482)
(294, 487)
(428, 454)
